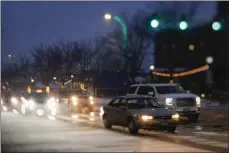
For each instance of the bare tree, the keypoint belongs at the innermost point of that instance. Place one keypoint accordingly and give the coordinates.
(48, 61)
(137, 46)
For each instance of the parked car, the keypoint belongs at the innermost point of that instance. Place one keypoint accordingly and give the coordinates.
(172, 96)
(138, 112)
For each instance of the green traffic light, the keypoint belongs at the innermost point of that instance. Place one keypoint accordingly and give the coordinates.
(154, 23)
(216, 26)
(183, 25)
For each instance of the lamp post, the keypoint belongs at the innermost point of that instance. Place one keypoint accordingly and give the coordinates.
(124, 31)
(151, 68)
(72, 76)
(209, 79)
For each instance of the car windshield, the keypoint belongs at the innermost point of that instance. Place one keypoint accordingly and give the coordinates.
(140, 103)
(39, 96)
(170, 89)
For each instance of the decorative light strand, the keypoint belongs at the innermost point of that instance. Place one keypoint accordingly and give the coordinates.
(190, 72)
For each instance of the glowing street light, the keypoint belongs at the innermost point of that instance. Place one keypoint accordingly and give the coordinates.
(54, 78)
(107, 16)
(32, 80)
(209, 60)
(152, 67)
(72, 76)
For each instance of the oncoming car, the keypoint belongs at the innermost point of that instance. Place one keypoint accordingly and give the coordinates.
(78, 102)
(138, 112)
(40, 104)
(172, 96)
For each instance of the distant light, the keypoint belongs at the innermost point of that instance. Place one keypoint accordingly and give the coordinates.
(54, 78)
(171, 81)
(216, 26)
(72, 76)
(191, 47)
(152, 67)
(9, 56)
(154, 23)
(32, 80)
(107, 16)
(209, 60)
(202, 95)
(183, 25)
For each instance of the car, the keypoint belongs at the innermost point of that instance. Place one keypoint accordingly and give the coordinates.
(172, 96)
(77, 101)
(39, 104)
(138, 112)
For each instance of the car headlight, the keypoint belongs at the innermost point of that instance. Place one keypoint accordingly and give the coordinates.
(198, 101)
(169, 101)
(91, 102)
(175, 116)
(74, 98)
(14, 100)
(32, 104)
(91, 98)
(146, 117)
(51, 102)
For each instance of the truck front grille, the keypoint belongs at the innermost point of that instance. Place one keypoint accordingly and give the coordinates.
(185, 102)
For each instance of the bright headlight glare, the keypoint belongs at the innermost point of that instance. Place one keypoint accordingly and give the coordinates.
(91, 98)
(74, 98)
(169, 101)
(91, 102)
(175, 116)
(198, 100)
(145, 117)
(75, 102)
(14, 100)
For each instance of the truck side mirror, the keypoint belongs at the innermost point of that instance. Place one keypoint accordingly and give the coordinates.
(151, 93)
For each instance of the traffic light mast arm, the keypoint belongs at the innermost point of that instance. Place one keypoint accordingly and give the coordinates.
(124, 29)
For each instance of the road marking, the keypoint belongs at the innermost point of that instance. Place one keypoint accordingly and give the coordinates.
(211, 133)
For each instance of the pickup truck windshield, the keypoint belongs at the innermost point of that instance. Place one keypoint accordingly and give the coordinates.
(169, 89)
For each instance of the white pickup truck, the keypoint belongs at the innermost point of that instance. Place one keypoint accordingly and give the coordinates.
(171, 95)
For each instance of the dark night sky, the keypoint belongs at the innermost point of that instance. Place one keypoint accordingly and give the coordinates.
(26, 24)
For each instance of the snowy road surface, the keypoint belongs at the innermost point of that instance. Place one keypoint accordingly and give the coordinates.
(31, 133)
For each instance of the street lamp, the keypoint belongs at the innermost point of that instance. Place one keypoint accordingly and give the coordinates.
(107, 16)
(72, 76)
(32, 80)
(209, 79)
(209, 60)
(54, 78)
(151, 67)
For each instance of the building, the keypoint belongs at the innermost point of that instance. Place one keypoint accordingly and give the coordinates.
(189, 49)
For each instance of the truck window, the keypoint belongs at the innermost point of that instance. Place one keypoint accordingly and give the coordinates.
(144, 90)
(132, 90)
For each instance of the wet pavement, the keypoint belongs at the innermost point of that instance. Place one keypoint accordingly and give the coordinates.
(32, 133)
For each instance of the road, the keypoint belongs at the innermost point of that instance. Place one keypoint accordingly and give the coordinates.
(31, 133)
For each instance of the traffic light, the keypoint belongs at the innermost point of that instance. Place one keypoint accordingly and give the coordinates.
(154, 23)
(183, 25)
(216, 26)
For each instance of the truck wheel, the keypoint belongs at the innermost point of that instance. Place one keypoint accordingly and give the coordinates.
(193, 118)
(133, 129)
(171, 129)
(106, 123)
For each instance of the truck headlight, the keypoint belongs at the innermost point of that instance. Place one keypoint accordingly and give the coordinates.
(146, 117)
(91, 98)
(198, 101)
(169, 101)
(175, 116)
(14, 100)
